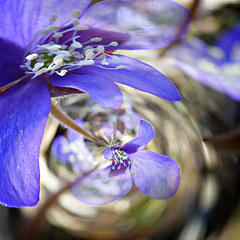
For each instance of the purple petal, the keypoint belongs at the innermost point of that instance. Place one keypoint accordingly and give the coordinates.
(101, 187)
(193, 58)
(144, 135)
(73, 135)
(157, 176)
(150, 24)
(61, 150)
(138, 75)
(108, 153)
(103, 91)
(24, 111)
(10, 59)
(227, 40)
(21, 19)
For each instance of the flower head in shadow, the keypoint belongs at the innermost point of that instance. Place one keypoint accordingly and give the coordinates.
(157, 176)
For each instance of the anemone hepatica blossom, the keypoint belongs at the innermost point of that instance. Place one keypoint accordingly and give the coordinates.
(217, 66)
(46, 44)
(157, 176)
(73, 150)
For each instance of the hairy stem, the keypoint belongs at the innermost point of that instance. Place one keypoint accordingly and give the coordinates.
(65, 119)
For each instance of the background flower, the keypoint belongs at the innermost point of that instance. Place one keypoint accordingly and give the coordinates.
(155, 175)
(216, 66)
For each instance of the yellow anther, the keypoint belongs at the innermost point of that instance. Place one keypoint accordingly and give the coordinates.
(76, 44)
(62, 72)
(37, 66)
(50, 28)
(96, 39)
(57, 35)
(53, 18)
(100, 49)
(120, 67)
(32, 56)
(76, 13)
(75, 22)
(115, 44)
(82, 27)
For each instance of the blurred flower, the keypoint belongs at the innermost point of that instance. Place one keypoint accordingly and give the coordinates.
(157, 176)
(38, 53)
(217, 67)
(125, 118)
(74, 151)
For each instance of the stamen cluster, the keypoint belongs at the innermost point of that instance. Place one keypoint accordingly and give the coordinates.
(120, 159)
(49, 56)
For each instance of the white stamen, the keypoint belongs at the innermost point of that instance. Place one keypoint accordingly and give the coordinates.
(100, 49)
(49, 47)
(57, 35)
(120, 67)
(87, 62)
(64, 53)
(37, 66)
(39, 72)
(75, 22)
(102, 56)
(89, 53)
(53, 57)
(53, 18)
(76, 44)
(96, 39)
(49, 29)
(62, 72)
(82, 27)
(76, 13)
(115, 44)
(32, 56)
(58, 57)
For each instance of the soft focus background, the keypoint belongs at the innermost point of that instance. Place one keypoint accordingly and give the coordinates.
(206, 206)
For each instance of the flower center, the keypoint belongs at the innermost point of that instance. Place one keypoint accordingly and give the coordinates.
(57, 49)
(121, 160)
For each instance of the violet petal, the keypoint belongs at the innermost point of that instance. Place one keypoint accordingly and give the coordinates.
(144, 135)
(157, 176)
(101, 90)
(101, 187)
(24, 112)
(150, 24)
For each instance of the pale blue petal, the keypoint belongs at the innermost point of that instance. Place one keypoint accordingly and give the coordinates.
(101, 187)
(144, 135)
(157, 176)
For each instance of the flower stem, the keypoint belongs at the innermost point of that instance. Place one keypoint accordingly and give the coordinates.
(65, 119)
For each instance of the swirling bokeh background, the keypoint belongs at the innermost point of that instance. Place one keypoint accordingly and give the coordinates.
(206, 206)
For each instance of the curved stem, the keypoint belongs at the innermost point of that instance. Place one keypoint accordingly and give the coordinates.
(65, 119)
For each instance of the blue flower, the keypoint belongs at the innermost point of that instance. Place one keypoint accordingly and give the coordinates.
(74, 151)
(157, 176)
(216, 66)
(43, 54)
